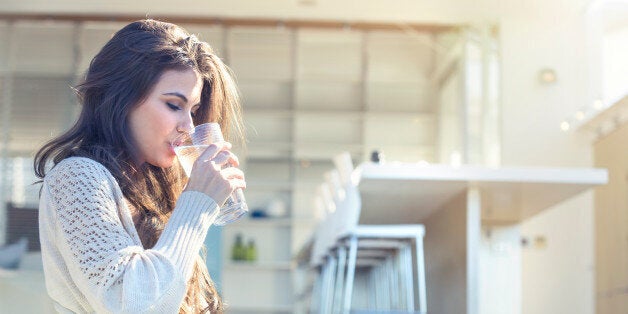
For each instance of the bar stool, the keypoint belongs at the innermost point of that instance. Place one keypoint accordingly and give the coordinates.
(321, 260)
(393, 258)
(390, 256)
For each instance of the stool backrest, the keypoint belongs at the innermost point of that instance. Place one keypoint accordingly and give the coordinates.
(340, 197)
(322, 236)
(348, 207)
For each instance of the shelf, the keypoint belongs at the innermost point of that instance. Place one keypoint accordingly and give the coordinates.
(349, 114)
(607, 120)
(259, 266)
(322, 79)
(256, 158)
(264, 222)
(418, 116)
(411, 83)
(258, 144)
(258, 309)
(270, 222)
(264, 112)
(270, 79)
(310, 184)
(268, 150)
(268, 185)
(324, 150)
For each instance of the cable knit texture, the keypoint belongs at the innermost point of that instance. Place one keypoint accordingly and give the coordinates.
(93, 257)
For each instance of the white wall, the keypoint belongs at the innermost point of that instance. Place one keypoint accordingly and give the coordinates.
(558, 278)
(615, 46)
(446, 259)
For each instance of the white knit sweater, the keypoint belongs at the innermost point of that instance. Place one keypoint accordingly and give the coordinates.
(92, 255)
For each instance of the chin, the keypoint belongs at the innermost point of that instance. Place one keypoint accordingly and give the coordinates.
(163, 163)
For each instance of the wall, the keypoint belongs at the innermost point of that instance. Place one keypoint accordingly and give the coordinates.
(611, 216)
(611, 226)
(559, 277)
(501, 258)
(615, 46)
(446, 258)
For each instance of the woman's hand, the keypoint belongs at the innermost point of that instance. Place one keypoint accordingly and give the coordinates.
(210, 176)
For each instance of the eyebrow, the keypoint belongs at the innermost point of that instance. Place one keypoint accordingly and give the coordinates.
(177, 95)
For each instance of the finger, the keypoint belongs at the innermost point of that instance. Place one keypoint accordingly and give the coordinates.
(221, 158)
(212, 150)
(232, 173)
(234, 160)
(226, 157)
(237, 184)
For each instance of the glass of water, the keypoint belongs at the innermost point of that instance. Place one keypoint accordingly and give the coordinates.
(189, 147)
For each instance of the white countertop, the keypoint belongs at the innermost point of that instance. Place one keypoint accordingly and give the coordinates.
(509, 195)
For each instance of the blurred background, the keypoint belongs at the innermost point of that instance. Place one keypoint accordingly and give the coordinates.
(488, 83)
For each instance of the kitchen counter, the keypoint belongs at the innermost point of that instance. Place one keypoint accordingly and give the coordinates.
(472, 218)
(402, 192)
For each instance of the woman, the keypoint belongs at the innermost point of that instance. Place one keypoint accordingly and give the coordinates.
(120, 226)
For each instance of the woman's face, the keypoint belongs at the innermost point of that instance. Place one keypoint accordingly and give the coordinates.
(165, 113)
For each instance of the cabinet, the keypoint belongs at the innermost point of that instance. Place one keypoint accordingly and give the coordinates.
(611, 216)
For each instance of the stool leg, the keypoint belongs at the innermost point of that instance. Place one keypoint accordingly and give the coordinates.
(384, 286)
(340, 274)
(330, 284)
(421, 275)
(351, 263)
(327, 285)
(409, 278)
(378, 287)
(400, 280)
(405, 278)
(372, 287)
(315, 299)
(394, 283)
(324, 285)
(389, 287)
(375, 274)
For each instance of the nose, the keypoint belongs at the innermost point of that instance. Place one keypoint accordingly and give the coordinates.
(185, 125)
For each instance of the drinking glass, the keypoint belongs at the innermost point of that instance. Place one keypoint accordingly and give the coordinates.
(189, 146)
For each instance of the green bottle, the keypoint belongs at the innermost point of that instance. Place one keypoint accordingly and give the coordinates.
(238, 251)
(251, 251)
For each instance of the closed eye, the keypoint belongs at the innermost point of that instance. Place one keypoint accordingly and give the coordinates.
(173, 106)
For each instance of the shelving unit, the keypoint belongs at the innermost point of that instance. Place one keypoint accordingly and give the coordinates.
(261, 309)
(255, 266)
(309, 95)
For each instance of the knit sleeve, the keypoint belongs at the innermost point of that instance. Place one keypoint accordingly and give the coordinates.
(114, 272)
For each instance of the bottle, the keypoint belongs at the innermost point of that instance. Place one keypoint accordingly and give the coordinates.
(238, 251)
(377, 157)
(251, 251)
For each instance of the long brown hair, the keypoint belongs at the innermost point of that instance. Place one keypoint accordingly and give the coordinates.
(119, 78)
